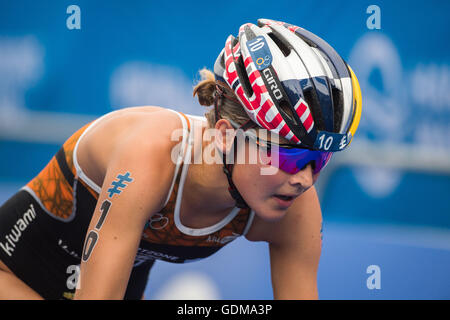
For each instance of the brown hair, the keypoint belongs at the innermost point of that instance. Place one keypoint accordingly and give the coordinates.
(228, 108)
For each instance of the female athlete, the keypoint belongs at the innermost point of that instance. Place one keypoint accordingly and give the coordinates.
(128, 188)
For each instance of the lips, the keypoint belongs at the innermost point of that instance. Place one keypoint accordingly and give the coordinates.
(284, 197)
(284, 201)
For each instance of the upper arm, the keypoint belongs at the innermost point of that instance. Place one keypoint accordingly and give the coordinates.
(135, 186)
(295, 248)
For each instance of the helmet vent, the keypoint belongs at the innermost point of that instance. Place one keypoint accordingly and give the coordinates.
(285, 107)
(222, 61)
(243, 77)
(338, 102)
(281, 45)
(314, 107)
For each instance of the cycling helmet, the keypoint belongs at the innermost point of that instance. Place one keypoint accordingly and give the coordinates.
(292, 83)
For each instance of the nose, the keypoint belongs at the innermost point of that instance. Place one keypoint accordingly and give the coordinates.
(304, 179)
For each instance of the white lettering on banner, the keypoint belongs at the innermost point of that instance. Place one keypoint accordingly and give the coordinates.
(415, 112)
(433, 134)
(385, 113)
(430, 87)
(13, 237)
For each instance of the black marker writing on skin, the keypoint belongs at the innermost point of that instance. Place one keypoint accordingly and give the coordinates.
(116, 188)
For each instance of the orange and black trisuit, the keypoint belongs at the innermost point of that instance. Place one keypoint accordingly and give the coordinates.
(43, 226)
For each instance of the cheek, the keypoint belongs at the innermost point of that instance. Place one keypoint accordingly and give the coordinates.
(254, 178)
(258, 180)
(258, 190)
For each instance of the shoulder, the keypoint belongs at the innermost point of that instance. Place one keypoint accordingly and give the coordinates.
(155, 120)
(150, 148)
(132, 127)
(303, 215)
(144, 128)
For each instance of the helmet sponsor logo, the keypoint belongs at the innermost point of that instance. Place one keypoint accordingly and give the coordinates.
(262, 62)
(260, 53)
(273, 85)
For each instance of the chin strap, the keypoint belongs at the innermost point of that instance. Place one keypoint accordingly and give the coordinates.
(228, 168)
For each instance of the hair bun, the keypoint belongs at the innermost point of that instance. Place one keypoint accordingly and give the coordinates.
(205, 92)
(206, 88)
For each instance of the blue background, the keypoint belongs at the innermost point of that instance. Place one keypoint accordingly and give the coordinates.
(404, 228)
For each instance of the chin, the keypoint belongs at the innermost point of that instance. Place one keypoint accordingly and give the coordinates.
(269, 212)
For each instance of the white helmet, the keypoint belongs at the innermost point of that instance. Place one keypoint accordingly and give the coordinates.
(277, 66)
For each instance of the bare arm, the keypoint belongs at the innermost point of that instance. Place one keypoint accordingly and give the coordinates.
(144, 169)
(295, 249)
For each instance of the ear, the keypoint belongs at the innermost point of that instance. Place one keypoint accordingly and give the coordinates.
(224, 135)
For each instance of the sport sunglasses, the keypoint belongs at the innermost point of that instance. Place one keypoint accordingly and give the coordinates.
(291, 159)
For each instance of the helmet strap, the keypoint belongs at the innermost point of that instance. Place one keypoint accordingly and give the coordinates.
(228, 168)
